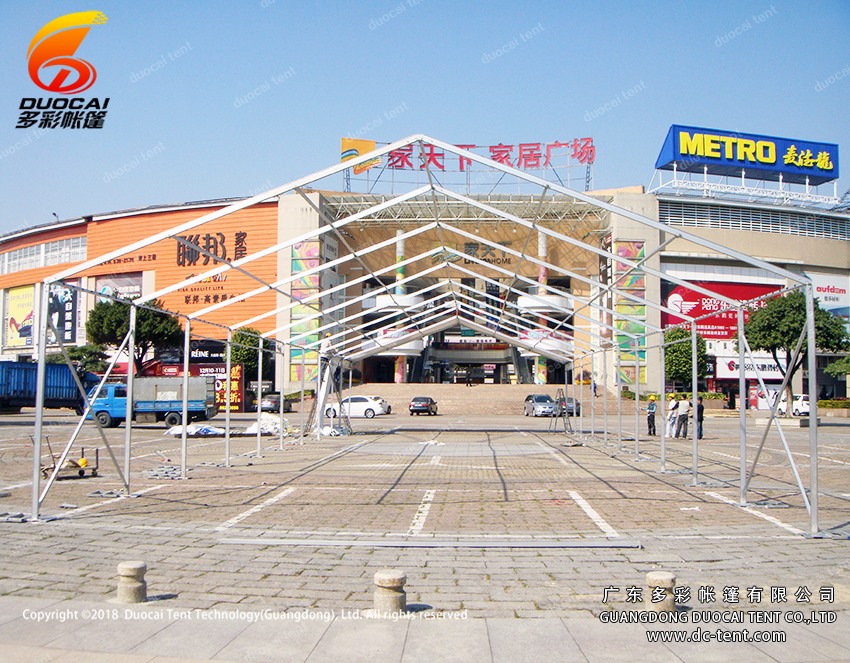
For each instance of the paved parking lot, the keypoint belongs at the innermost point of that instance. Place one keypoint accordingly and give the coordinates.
(510, 521)
(495, 516)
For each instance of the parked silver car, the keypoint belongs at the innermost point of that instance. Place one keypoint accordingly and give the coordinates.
(540, 405)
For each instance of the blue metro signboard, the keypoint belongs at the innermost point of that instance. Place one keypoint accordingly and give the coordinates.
(727, 153)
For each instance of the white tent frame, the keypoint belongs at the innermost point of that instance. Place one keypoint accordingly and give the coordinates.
(458, 303)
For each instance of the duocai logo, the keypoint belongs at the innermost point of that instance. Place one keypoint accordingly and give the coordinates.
(53, 66)
(51, 57)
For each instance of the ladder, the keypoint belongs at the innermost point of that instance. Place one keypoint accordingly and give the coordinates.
(563, 417)
(328, 387)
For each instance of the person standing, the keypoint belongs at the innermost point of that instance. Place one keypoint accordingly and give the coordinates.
(682, 418)
(672, 411)
(700, 411)
(593, 387)
(651, 408)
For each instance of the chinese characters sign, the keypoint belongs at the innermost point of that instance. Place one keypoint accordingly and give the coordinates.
(524, 156)
(723, 325)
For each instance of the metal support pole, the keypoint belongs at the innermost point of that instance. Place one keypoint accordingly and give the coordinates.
(605, 395)
(282, 401)
(301, 426)
(187, 349)
(131, 376)
(592, 397)
(662, 406)
(694, 395)
(637, 399)
(618, 382)
(565, 414)
(41, 375)
(259, 393)
(811, 360)
(227, 397)
(742, 415)
(580, 392)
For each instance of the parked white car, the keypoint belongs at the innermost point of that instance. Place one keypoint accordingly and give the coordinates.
(799, 407)
(359, 406)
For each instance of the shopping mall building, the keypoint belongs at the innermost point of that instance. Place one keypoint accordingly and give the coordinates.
(397, 258)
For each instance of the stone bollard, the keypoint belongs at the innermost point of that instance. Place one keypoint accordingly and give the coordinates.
(665, 582)
(132, 587)
(389, 591)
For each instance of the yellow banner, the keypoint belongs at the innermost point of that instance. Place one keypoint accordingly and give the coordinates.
(19, 310)
(351, 148)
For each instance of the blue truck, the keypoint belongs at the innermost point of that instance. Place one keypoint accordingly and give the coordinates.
(19, 379)
(155, 399)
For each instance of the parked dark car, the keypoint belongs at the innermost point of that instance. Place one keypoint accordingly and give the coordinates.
(572, 407)
(271, 403)
(423, 404)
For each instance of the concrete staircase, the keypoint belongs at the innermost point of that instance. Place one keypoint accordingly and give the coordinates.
(477, 399)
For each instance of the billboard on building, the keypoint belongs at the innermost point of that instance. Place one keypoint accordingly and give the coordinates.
(219, 372)
(125, 286)
(721, 326)
(727, 367)
(833, 293)
(351, 148)
(19, 317)
(62, 309)
(727, 153)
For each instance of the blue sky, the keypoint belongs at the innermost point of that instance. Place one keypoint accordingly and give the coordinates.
(328, 69)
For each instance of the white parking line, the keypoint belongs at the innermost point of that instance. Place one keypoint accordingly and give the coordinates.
(17, 485)
(435, 460)
(591, 512)
(418, 521)
(779, 451)
(764, 516)
(254, 509)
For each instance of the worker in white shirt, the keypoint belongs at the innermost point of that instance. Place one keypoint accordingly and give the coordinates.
(682, 418)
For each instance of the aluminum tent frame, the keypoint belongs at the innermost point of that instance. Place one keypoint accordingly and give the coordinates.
(444, 215)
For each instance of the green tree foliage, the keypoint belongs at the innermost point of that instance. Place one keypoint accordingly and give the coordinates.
(245, 352)
(838, 368)
(677, 356)
(777, 327)
(87, 358)
(109, 322)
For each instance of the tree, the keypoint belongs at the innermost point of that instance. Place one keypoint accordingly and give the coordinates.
(677, 356)
(777, 327)
(87, 358)
(109, 322)
(838, 368)
(244, 351)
